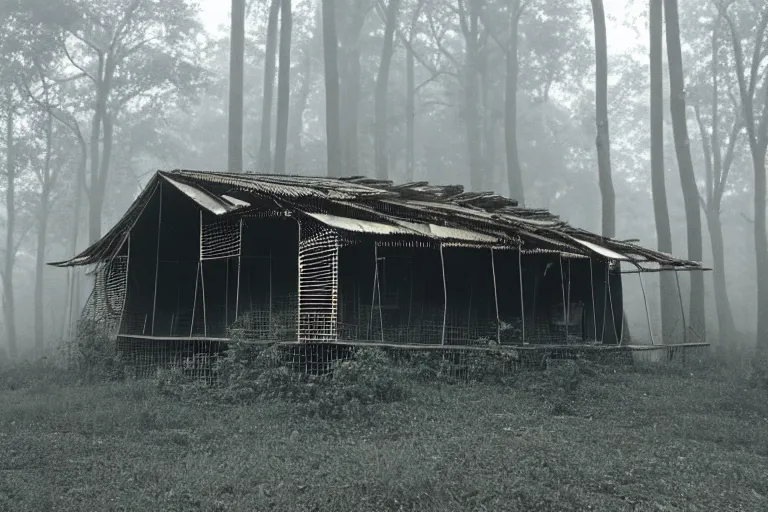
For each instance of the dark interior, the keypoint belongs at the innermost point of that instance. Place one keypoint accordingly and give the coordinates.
(392, 292)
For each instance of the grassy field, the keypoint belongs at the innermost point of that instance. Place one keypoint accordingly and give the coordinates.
(622, 440)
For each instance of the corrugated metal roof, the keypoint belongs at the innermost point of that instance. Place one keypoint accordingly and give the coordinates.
(359, 226)
(602, 251)
(378, 207)
(201, 197)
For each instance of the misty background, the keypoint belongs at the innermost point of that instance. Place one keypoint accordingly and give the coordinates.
(96, 95)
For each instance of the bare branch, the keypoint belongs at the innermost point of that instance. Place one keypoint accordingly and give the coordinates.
(738, 125)
(437, 35)
(78, 66)
(432, 78)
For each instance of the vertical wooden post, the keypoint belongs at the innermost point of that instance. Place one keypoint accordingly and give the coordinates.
(239, 264)
(157, 258)
(445, 295)
(378, 291)
(496, 299)
(202, 278)
(373, 288)
(645, 301)
(522, 295)
(592, 290)
(562, 286)
(568, 301)
(682, 309)
(606, 291)
(194, 302)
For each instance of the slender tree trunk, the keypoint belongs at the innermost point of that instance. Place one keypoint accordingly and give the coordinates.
(72, 304)
(283, 87)
(42, 232)
(382, 81)
(514, 171)
(724, 314)
(10, 224)
(489, 128)
(715, 170)
(687, 177)
(603, 139)
(472, 124)
(296, 123)
(100, 163)
(236, 64)
(667, 289)
(330, 57)
(761, 248)
(94, 212)
(350, 117)
(99, 185)
(265, 143)
(410, 114)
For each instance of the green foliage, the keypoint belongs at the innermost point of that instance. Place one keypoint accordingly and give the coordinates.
(94, 353)
(260, 372)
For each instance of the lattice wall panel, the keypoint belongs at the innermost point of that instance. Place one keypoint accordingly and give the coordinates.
(220, 239)
(318, 284)
(104, 306)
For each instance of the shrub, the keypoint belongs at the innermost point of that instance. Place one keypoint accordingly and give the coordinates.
(370, 377)
(94, 353)
(252, 372)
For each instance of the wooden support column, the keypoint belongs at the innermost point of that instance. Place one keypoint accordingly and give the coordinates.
(239, 264)
(445, 295)
(496, 299)
(157, 257)
(522, 295)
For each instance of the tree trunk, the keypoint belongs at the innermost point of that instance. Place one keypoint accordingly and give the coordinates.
(99, 185)
(283, 87)
(10, 224)
(349, 119)
(410, 114)
(761, 248)
(685, 164)
(716, 173)
(472, 116)
(489, 131)
(669, 316)
(72, 304)
(724, 314)
(296, 123)
(330, 57)
(42, 232)
(94, 212)
(265, 144)
(601, 107)
(514, 171)
(380, 100)
(236, 72)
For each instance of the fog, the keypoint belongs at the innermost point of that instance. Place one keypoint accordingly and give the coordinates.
(97, 95)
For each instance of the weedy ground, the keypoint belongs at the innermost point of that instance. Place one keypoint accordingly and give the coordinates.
(576, 437)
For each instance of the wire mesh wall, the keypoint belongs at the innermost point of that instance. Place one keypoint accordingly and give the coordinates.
(104, 308)
(195, 358)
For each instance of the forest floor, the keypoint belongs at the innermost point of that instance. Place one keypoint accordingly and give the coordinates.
(626, 439)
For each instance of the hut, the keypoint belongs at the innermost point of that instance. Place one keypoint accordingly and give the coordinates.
(200, 257)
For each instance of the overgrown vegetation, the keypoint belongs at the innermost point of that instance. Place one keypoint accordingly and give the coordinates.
(375, 435)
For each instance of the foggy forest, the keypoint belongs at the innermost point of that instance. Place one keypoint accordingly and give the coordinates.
(520, 98)
(659, 137)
